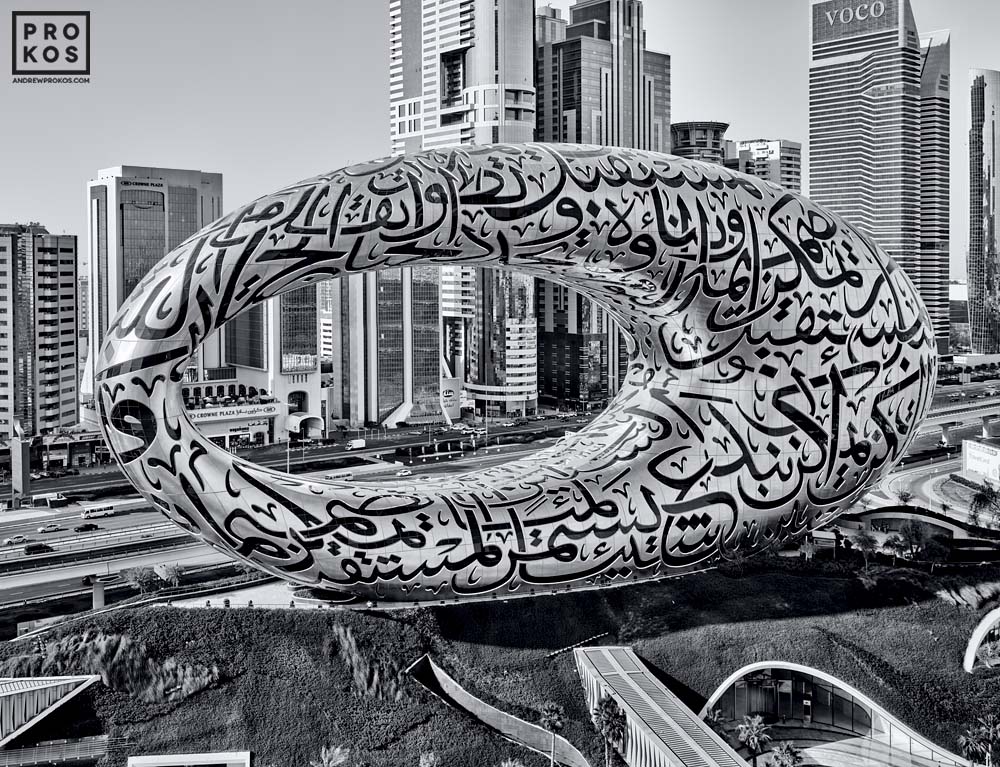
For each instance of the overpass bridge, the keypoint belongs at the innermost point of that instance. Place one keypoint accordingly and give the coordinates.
(949, 416)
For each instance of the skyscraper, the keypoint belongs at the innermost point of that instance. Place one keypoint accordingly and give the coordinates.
(878, 135)
(597, 83)
(984, 209)
(139, 214)
(38, 329)
(777, 160)
(136, 216)
(460, 72)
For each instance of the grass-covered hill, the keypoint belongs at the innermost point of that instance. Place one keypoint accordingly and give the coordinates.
(286, 683)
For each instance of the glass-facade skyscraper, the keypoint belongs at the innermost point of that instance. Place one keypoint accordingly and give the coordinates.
(984, 209)
(597, 83)
(137, 215)
(879, 100)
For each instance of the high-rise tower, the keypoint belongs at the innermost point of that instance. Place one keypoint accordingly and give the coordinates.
(878, 136)
(38, 328)
(597, 83)
(984, 210)
(460, 72)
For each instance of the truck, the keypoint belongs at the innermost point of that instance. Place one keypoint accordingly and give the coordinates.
(47, 501)
(355, 444)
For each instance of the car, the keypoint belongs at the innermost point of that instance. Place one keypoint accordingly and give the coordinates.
(35, 475)
(73, 472)
(38, 548)
(403, 473)
(508, 424)
(51, 527)
(14, 540)
(86, 527)
(424, 476)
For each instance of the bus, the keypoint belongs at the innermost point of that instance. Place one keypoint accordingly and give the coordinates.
(111, 507)
(343, 476)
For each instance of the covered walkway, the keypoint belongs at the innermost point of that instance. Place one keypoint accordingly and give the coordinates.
(661, 731)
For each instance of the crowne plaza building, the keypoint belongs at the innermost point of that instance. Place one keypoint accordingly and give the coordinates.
(879, 97)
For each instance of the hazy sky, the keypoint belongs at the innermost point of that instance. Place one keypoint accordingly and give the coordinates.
(268, 94)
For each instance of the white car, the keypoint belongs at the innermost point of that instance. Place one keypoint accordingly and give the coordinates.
(51, 527)
(14, 540)
(508, 424)
(403, 473)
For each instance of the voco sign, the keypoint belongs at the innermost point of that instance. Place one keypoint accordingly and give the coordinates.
(864, 11)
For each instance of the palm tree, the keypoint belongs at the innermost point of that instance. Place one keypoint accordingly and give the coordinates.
(753, 733)
(981, 742)
(986, 499)
(786, 754)
(430, 759)
(511, 763)
(973, 745)
(866, 543)
(904, 496)
(331, 756)
(552, 717)
(610, 723)
(715, 720)
(895, 546)
(914, 535)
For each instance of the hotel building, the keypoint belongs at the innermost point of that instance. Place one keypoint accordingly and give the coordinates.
(137, 215)
(984, 208)
(878, 135)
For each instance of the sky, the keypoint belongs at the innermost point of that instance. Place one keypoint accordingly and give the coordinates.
(268, 97)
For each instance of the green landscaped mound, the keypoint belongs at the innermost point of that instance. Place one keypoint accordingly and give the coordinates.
(290, 682)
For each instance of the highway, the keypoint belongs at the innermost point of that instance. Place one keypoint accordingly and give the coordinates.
(274, 456)
(37, 583)
(144, 525)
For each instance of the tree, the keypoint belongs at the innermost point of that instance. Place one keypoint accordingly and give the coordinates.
(914, 535)
(786, 754)
(715, 720)
(937, 550)
(430, 759)
(986, 502)
(552, 717)
(172, 574)
(981, 742)
(511, 763)
(610, 723)
(331, 756)
(866, 543)
(753, 733)
(895, 546)
(142, 579)
(904, 496)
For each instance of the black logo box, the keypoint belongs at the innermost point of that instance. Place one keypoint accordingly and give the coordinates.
(20, 66)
